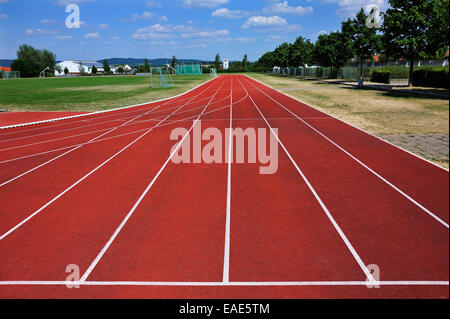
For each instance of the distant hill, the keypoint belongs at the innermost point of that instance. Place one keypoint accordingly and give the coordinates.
(4, 62)
(153, 62)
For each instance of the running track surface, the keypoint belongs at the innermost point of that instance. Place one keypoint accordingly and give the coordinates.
(100, 192)
(14, 118)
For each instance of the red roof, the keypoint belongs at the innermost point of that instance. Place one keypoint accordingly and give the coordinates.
(4, 68)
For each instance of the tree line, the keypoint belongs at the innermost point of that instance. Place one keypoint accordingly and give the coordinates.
(410, 29)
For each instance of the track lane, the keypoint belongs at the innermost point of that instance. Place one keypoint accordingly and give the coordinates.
(28, 194)
(384, 227)
(177, 230)
(425, 182)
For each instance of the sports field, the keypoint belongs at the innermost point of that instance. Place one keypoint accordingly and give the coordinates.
(345, 215)
(87, 94)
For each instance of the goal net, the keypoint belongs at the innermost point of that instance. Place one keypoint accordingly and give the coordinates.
(189, 69)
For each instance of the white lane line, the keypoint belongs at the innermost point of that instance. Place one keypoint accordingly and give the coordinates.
(360, 162)
(224, 284)
(116, 136)
(357, 128)
(226, 258)
(319, 200)
(152, 111)
(74, 149)
(133, 209)
(93, 113)
(87, 175)
(89, 142)
(105, 129)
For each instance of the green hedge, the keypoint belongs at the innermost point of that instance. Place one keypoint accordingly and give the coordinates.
(381, 76)
(431, 77)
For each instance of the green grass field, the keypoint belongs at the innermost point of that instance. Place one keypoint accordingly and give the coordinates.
(87, 93)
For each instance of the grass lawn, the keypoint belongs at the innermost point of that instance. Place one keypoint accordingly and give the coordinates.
(380, 113)
(87, 93)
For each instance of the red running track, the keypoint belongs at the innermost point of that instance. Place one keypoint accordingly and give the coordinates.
(15, 118)
(101, 192)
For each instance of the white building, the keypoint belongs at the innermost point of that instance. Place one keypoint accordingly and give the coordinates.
(226, 64)
(76, 67)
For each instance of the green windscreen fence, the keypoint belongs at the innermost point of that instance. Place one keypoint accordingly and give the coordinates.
(189, 69)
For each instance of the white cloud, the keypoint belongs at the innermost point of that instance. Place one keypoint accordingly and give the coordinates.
(204, 3)
(145, 16)
(168, 31)
(260, 21)
(103, 26)
(271, 38)
(245, 39)
(285, 8)
(47, 21)
(230, 14)
(3, 16)
(153, 4)
(163, 18)
(39, 31)
(348, 8)
(63, 37)
(94, 35)
(205, 34)
(64, 3)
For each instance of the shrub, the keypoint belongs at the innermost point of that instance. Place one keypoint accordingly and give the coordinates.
(381, 76)
(431, 77)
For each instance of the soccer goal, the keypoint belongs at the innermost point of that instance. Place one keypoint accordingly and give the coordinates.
(189, 69)
(10, 75)
(161, 77)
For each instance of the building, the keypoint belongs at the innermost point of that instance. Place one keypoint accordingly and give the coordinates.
(76, 67)
(226, 64)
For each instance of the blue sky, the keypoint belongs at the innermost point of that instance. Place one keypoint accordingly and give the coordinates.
(160, 29)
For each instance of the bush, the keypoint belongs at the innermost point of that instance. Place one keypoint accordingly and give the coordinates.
(431, 77)
(381, 76)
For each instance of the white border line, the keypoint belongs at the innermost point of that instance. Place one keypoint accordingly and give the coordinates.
(138, 202)
(224, 284)
(319, 200)
(92, 171)
(226, 257)
(358, 161)
(359, 129)
(100, 112)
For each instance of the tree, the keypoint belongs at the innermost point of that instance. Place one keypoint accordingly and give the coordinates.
(66, 70)
(217, 61)
(58, 68)
(415, 29)
(282, 52)
(174, 62)
(365, 41)
(332, 50)
(120, 70)
(146, 66)
(81, 69)
(30, 61)
(94, 70)
(301, 52)
(267, 60)
(245, 61)
(106, 67)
